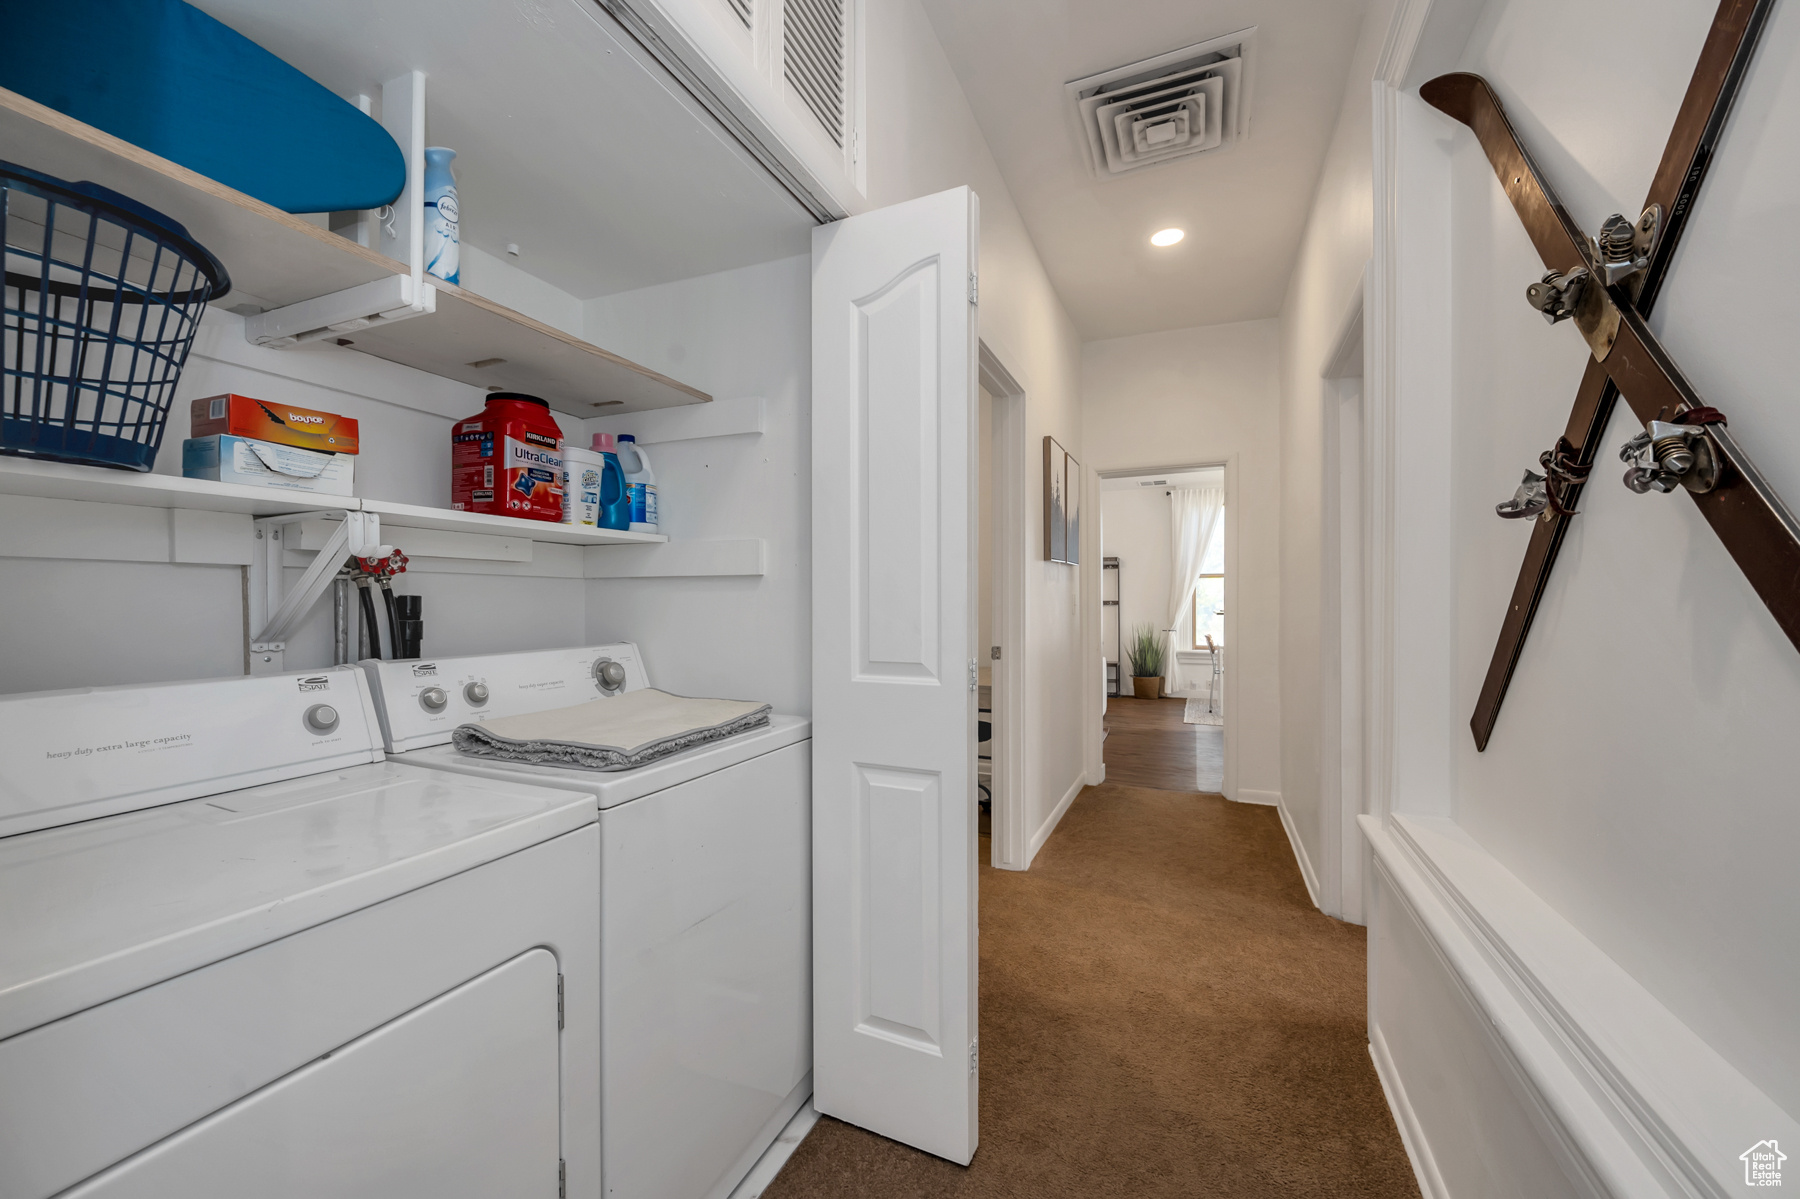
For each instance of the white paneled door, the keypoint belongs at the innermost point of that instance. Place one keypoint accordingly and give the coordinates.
(894, 631)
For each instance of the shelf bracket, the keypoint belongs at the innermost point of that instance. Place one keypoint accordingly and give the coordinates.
(381, 302)
(276, 612)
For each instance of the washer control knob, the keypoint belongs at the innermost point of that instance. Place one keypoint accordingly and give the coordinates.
(609, 674)
(321, 718)
(476, 693)
(433, 699)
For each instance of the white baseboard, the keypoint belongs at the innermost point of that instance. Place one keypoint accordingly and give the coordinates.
(1412, 1136)
(1629, 1098)
(1051, 821)
(1271, 799)
(776, 1155)
(1306, 867)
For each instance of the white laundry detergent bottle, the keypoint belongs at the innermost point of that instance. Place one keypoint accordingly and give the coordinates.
(640, 482)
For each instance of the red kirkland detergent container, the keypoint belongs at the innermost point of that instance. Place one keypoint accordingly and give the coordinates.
(508, 460)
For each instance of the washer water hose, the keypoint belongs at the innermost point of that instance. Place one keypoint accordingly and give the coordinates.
(387, 596)
(371, 627)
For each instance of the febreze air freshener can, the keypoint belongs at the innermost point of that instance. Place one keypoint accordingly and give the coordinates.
(508, 460)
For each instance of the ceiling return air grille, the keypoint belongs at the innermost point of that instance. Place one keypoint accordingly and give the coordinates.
(743, 10)
(1186, 102)
(813, 58)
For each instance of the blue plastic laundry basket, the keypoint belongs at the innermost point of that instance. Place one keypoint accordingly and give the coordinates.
(102, 299)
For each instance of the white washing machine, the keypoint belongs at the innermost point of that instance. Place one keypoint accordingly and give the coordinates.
(243, 954)
(704, 904)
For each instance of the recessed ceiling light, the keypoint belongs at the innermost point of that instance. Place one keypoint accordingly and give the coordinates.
(1167, 237)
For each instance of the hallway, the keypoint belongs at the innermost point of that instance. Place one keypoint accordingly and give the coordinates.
(1163, 1013)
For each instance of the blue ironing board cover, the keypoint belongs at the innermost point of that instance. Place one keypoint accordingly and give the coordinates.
(164, 76)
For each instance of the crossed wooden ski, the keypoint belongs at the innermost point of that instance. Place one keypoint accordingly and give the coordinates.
(1758, 530)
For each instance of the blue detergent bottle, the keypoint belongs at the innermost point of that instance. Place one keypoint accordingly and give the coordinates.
(615, 497)
(640, 480)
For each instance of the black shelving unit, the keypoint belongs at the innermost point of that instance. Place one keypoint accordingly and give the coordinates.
(1114, 671)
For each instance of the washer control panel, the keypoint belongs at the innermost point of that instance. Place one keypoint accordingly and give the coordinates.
(421, 702)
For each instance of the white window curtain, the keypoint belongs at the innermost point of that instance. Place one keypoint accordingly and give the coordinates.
(1193, 523)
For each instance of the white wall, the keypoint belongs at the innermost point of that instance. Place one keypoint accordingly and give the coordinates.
(923, 139)
(737, 334)
(1326, 283)
(1206, 396)
(1634, 808)
(1134, 529)
(1678, 865)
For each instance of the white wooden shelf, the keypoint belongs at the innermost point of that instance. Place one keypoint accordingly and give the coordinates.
(276, 259)
(525, 355)
(413, 516)
(98, 485)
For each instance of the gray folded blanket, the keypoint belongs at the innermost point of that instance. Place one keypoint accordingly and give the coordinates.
(611, 734)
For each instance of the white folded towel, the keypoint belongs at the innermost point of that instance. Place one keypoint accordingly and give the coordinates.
(611, 734)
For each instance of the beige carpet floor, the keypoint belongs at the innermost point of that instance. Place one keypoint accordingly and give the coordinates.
(1163, 1013)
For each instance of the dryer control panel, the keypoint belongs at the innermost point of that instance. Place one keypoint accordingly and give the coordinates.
(421, 702)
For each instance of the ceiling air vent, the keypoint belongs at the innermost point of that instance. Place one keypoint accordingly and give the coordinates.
(1172, 106)
(813, 59)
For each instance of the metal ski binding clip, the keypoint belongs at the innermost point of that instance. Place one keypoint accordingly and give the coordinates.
(1530, 499)
(1551, 492)
(1557, 295)
(1674, 452)
(1623, 249)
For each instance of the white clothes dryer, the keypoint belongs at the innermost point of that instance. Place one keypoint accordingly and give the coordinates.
(705, 911)
(243, 954)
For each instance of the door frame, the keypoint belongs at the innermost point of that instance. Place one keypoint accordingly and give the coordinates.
(1010, 844)
(1233, 723)
(1343, 565)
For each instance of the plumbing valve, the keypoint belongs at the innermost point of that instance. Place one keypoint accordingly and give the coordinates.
(388, 566)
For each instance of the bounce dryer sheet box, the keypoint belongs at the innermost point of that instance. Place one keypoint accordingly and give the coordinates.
(265, 420)
(255, 463)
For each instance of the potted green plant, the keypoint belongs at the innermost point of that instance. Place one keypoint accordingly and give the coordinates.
(1146, 653)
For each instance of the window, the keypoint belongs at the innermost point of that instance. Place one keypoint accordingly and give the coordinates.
(1209, 593)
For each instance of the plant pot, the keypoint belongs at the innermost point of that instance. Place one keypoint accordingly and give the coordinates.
(1147, 686)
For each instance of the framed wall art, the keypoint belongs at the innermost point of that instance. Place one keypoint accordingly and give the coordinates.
(1062, 504)
(1071, 510)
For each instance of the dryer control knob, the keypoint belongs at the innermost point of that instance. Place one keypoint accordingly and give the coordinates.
(321, 718)
(433, 699)
(476, 693)
(609, 674)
